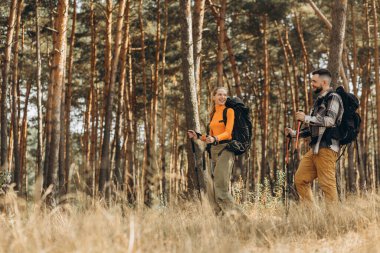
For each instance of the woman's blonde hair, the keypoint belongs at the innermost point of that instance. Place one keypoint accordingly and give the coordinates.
(212, 104)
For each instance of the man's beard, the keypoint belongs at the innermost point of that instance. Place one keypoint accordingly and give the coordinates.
(318, 90)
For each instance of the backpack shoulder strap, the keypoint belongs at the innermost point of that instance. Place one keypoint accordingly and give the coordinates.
(225, 115)
(327, 97)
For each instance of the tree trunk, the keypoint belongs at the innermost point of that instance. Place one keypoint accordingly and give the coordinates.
(49, 102)
(152, 170)
(61, 152)
(351, 170)
(265, 103)
(288, 46)
(306, 69)
(16, 150)
(287, 80)
(354, 53)
(163, 94)
(147, 154)
(105, 160)
(220, 55)
(365, 93)
(24, 126)
(39, 93)
(65, 185)
(92, 111)
(337, 39)
(377, 80)
(131, 144)
(199, 12)
(190, 92)
(123, 99)
(122, 45)
(4, 86)
(329, 26)
(105, 164)
(231, 55)
(59, 60)
(24, 129)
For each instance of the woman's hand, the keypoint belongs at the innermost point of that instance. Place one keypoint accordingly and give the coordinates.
(210, 139)
(192, 134)
(288, 132)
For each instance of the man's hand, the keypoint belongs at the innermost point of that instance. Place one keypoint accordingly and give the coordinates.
(300, 116)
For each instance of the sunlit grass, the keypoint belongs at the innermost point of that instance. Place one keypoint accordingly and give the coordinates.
(81, 225)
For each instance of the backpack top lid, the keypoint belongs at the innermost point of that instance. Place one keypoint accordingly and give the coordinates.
(350, 101)
(232, 102)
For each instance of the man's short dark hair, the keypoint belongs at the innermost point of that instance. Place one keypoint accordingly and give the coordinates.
(322, 72)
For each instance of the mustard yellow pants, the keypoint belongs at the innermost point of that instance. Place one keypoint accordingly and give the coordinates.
(321, 166)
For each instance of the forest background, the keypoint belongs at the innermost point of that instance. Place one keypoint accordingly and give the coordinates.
(97, 96)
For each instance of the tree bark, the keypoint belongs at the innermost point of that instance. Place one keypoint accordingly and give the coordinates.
(131, 143)
(92, 111)
(152, 174)
(337, 39)
(288, 46)
(61, 151)
(231, 55)
(199, 12)
(65, 184)
(329, 26)
(287, 80)
(265, 103)
(4, 86)
(220, 55)
(163, 94)
(39, 93)
(190, 92)
(15, 80)
(146, 160)
(24, 129)
(354, 52)
(306, 69)
(377, 79)
(59, 60)
(123, 106)
(105, 164)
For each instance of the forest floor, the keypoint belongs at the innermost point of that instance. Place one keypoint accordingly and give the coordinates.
(81, 225)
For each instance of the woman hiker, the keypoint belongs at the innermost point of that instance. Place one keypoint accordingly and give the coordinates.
(222, 159)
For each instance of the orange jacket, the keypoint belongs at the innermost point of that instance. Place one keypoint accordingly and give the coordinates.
(217, 127)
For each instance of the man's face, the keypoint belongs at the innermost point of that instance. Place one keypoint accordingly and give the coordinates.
(316, 84)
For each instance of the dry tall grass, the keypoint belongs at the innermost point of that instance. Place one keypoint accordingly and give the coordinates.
(83, 226)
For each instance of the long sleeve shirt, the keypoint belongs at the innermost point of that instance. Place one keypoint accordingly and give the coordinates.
(322, 117)
(217, 127)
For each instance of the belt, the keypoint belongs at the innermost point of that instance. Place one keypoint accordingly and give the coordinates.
(224, 141)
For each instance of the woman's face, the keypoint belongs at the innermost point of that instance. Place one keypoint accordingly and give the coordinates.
(220, 97)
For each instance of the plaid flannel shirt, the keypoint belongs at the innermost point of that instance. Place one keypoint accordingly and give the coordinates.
(322, 117)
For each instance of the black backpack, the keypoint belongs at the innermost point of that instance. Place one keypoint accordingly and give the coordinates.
(349, 128)
(242, 131)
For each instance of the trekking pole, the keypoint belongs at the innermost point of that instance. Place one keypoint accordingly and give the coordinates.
(298, 133)
(288, 139)
(286, 181)
(196, 170)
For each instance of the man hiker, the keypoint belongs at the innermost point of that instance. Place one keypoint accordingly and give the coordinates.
(319, 161)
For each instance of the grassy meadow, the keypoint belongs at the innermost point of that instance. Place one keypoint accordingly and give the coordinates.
(80, 224)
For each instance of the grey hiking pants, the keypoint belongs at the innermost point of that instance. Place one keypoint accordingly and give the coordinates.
(221, 171)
